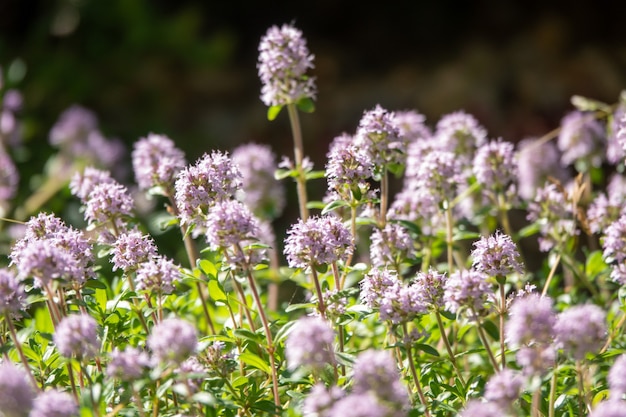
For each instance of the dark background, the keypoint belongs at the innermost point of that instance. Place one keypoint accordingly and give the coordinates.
(188, 68)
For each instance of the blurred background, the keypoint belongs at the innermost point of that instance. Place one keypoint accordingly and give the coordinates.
(187, 68)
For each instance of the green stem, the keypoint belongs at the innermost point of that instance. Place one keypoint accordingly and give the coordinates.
(552, 396)
(318, 289)
(384, 198)
(483, 339)
(298, 150)
(551, 275)
(418, 385)
(502, 320)
(20, 351)
(449, 240)
(446, 343)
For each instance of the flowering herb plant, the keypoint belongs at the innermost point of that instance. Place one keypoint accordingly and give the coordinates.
(490, 284)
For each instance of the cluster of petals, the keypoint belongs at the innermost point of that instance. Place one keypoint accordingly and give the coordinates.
(156, 161)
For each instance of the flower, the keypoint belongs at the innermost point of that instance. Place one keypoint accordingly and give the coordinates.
(108, 202)
(610, 408)
(536, 162)
(54, 403)
(460, 133)
(468, 289)
(496, 255)
(317, 241)
(504, 388)
(283, 62)
(617, 377)
(536, 359)
(128, 364)
(347, 171)
(477, 408)
(214, 177)
(439, 174)
(396, 301)
(262, 193)
(191, 366)
(157, 275)
(531, 321)
(73, 126)
(494, 166)
(552, 209)
(360, 405)
(320, 400)
(310, 344)
(412, 126)
(581, 329)
(12, 295)
(173, 340)
(16, 393)
(430, 288)
(156, 161)
(582, 137)
(390, 245)
(83, 183)
(77, 335)
(131, 249)
(379, 136)
(230, 222)
(376, 373)
(614, 245)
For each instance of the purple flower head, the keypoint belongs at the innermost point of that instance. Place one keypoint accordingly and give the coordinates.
(347, 171)
(496, 255)
(377, 282)
(609, 408)
(477, 408)
(390, 245)
(361, 405)
(461, 133)
(504, 388)
(16, 393)
(536, 359)
(321, 399)
(536, 161)
(412, 125)
(603, 211)
(494, 166)
(617, 377)
(9, 177)
(614, 245)
(132, 249)
(580, 330)
(73, 126)
(77, 335)
(128, 364)
(157, 275)
(12, 100)
(54, 403)
(467, 289)
(83, 183)
(430, 287)
(190, 373)
(582, 137)
(616, 136)
(157, 161)
(310, 344)
(420, 206)
(376, 373)
(262, 193)
(219, 362)
(44, 261)
(531, 320)
(552, 209)
(283, 62)
(211, 179)
(379, 135)
(108, 202)
(12, 295)
(229, 223)
(173, 340)
(317, 241)
(439, 174)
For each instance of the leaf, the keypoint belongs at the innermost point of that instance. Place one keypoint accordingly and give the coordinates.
(306, 105)
(587, 104)
(207, 267)
(216, 292)
(427, 348)
(313, 175)
(255, 361)
(281, 174)
(299, 306)
(333, 205)
(273, 111)
(247, 335)
(595, 264)
(491, 329)
(529, 230)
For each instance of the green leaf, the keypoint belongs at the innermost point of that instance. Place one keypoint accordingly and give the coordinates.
(491, 329)
(281, 174)
(333, 205)
(587, 104)
(299, 306)
(273, 111)
(306, 105)
(595, 264)
(207, 267)
(427, 348)
(313, 175)
(255, 361)
(248, 335)
(216, 292)
(529, 230)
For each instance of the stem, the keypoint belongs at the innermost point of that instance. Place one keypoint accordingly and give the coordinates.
(298, 151)
(502, 320)
(535, 406)
(552, 396)
(551, 275)
(446, 342)
(70, 373)
(242, 297)
(418, 385)
(449, 241)
(613, 333)
(266, 327)
(483, 339)
(582, 394)
(384, 198)
(138, 404)
(504, 215)
(318, 289)
(20, 351)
